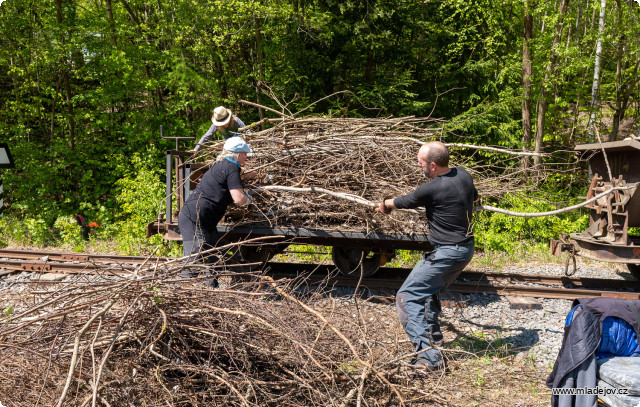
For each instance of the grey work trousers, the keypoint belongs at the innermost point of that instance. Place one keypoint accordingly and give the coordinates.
(417, 302)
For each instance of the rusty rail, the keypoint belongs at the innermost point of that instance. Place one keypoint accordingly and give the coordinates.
(541, 286)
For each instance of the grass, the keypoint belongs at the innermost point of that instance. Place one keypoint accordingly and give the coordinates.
(480, 343)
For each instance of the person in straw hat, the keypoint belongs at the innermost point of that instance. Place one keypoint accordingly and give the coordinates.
(224, 123)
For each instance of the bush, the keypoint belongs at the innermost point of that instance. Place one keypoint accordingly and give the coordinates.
(140, 196)
(68, 232)
(496, 231)
(24, 232)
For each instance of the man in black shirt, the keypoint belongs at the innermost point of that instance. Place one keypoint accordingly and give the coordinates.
(206, 205)
(448, 199)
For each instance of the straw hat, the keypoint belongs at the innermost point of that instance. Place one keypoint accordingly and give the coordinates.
(221, 116)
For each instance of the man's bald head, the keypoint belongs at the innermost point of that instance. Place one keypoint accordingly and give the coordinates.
(434, 152)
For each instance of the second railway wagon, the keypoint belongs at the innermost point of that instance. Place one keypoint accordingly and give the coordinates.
(353, 252)
(609, 237)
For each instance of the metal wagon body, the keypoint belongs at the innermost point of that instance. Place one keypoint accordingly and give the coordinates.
(612, 165)
(353, 252)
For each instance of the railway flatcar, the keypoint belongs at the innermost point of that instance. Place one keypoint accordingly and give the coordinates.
(613, 218)
(353, 252)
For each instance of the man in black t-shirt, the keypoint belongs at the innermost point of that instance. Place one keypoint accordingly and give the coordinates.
(207, 203)
(448, 200)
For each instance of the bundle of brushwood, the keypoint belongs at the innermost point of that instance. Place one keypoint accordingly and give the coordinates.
(151, 338)
(331, 174)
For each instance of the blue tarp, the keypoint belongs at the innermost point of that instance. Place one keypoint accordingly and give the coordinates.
(617, 339)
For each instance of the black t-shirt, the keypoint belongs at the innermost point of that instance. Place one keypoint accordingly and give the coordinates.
(448, 200)
(209, 200)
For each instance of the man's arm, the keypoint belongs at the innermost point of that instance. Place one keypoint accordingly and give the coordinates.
(204, 139)
(415, 199)
(239, 197)
(386, 206)
(239, 123)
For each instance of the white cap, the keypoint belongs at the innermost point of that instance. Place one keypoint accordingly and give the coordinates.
(237, 145)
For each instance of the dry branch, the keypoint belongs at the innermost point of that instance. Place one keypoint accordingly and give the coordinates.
(258, 342)
(330, 174)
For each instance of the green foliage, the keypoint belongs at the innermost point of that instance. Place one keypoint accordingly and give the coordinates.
(24, 232)
(405, 258)
(496, 231)
(481, 343)
(305, 254)
(140, 197)
(68, 233)
(82, 94)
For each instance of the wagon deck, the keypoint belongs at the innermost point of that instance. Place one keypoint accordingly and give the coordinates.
(353, 252)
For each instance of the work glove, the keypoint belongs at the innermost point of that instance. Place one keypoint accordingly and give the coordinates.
(249, 197)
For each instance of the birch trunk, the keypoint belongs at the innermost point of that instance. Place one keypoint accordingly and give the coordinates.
(596, 71)
(526, 82)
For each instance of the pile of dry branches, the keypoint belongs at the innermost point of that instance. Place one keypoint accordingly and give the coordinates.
(331, 173)
(151, 338)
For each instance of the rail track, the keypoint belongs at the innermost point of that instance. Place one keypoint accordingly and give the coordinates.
(468, 282)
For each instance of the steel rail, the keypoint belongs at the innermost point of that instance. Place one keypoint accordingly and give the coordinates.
(401, 273)
(477, 283)
(57, 256)
(477, 288)
(391, 278)
(62, 268)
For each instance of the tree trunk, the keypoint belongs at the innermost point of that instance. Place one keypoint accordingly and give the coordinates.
(260, 56)
(623, 103)
(546, 86)
(67, 83)
(112, 26)
(578, 18)
(526, 82)
(624, 88)
(596, 71)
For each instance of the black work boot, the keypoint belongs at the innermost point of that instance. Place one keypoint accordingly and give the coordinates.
(188, 273)
(436, 335)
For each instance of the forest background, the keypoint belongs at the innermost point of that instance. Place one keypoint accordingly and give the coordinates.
(86, 84)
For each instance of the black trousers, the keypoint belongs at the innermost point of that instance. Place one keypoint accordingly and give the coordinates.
(196, 238)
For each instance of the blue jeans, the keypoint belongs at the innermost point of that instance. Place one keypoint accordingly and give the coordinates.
(417, 302)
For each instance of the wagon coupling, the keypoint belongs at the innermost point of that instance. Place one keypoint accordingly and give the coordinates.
(565, 244)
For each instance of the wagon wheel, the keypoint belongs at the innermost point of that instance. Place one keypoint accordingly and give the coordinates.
(254, 254)
(257, 254)
(634, 269)
(348, 261)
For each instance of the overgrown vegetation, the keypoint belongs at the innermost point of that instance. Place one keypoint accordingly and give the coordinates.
(85, 86)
